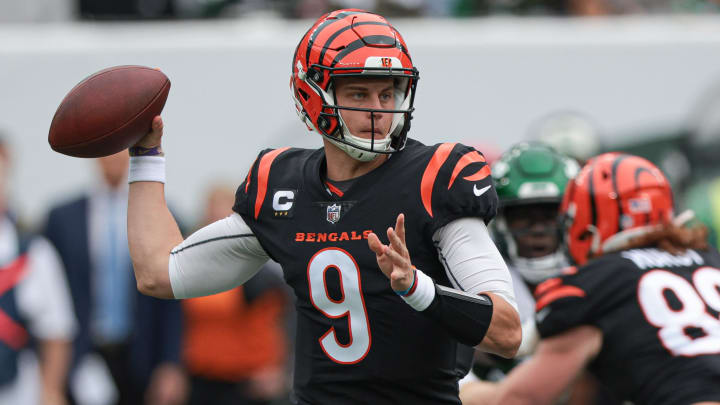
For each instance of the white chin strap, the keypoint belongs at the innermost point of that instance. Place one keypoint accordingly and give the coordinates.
(539, 269)
(357, 153)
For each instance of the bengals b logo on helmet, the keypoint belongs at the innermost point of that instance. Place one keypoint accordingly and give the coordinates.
(615, 197)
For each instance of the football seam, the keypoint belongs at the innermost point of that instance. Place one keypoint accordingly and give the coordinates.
(126, 123)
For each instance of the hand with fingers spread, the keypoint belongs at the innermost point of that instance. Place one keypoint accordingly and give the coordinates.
(394, 259)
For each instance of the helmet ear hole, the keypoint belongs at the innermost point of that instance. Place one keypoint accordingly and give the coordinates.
(323, 123)
(303, 94)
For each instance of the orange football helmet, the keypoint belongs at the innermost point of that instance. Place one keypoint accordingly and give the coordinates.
(614, 198)
(352, 42)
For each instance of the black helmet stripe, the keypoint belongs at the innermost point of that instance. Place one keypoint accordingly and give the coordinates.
(400, 44)
(638, 172)
(615, 165)
(337, 33)
(321, 27)
(402, 47)
(591, 192)
(344, 14)
(312, 39)
(355, 45)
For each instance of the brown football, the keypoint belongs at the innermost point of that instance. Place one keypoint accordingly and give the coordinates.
(108, 111)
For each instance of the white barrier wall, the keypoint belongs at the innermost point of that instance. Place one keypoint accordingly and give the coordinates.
(482, 81)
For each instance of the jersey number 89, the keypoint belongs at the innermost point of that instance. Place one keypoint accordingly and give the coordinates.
(675, 323)
(351, 304)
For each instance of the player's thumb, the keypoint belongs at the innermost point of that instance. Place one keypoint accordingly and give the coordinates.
(154, 137)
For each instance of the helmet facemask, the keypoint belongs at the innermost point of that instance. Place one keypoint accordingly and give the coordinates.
(530, 179)
(533, 268)
(359, 148)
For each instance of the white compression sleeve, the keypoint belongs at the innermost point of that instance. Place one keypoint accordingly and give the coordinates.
(216, 258)
(471, 259)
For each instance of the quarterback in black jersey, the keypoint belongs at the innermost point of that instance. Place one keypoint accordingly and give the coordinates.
(641, 310)
(383, 239)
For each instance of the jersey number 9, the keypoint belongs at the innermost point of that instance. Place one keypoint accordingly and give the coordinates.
(351, 305)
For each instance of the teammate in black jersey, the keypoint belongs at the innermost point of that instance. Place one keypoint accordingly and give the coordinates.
(369, 206)
(641, 311)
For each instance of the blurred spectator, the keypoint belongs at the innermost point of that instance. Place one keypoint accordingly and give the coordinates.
(127, 350)
(235, 345)
(35, 312)
(568, 132)
(63, 10)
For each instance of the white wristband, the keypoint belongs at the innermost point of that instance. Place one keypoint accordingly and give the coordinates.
(147, 168)
(424, 292)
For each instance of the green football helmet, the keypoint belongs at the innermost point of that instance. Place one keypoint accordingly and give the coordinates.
(531, 175)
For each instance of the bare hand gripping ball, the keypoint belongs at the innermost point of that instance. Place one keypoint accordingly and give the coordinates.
(108, 111)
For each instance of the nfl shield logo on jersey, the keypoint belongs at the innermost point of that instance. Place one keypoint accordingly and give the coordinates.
(333, 213)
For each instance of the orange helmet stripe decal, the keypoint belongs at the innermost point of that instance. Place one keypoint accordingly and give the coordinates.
(330, 18)
(556, 294)
(337, 33)
(263, 174)
(465, 160)
(431, 172)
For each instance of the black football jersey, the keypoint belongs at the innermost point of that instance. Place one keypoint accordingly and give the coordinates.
(658, 314)
(357, 342)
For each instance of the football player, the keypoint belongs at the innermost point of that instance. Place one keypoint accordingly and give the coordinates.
(530, 179)
(369, 206)
(641, 309)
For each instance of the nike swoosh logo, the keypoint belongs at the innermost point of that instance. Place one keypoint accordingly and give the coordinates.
(479, 192)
